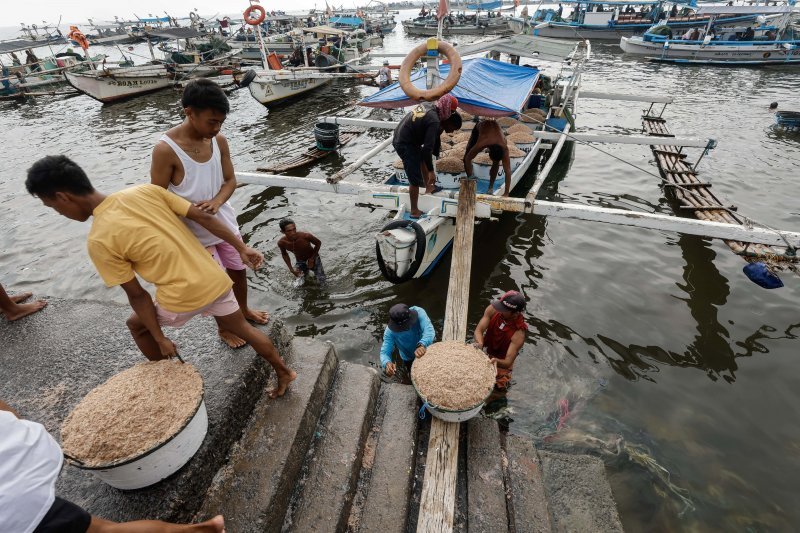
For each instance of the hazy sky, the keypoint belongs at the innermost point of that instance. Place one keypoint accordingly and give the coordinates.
(12, 12)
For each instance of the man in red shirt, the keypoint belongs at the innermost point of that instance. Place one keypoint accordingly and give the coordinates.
(501, 334)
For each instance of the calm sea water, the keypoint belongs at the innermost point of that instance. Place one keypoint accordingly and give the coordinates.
(673, 367)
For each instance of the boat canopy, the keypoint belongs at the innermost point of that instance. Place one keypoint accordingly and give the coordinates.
(18, 45)
(175, 33)
(156, 19)
(486, 5)
(486, 87)
(523, 46)
(743, 10)
(348, 21)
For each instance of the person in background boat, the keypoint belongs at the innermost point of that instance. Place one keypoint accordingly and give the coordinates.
(674, 11)
(139, 230)
(385, 75)
(12, 307)
(32, 61)
(410, 331)
(15, 60)
(193, 160)
(487, 134)
(30, 461)
(560, 11)
(417, 139)
(296, 59)
(749, 34)
(310, 57)
(501, 334)
(305, 248)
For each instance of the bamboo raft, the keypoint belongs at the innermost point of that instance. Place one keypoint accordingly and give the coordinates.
(309, 156)
(697, 199)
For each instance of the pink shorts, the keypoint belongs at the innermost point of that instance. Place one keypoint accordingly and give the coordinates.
(226, 255)
(222, 306)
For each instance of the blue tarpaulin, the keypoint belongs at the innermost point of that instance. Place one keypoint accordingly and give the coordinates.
(347, 21)
(486, 87)
(486, 5)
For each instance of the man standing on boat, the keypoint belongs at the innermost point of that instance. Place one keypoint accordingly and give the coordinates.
(501, 334)
(489, 134)
(385, 75)
(417, 140)
(411, 332)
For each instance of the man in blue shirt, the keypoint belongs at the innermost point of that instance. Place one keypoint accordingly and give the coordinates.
(410, 331)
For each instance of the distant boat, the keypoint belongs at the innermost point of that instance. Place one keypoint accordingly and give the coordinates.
(732, 46)
(598, 20)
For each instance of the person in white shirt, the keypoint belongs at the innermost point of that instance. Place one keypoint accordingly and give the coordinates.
(30, 460)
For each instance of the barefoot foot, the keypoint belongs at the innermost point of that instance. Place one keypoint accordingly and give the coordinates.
(283, 384)
(233, 341)
(416, 214)
(215, 525)
(21, 297)
(23, 310)
(259, 317)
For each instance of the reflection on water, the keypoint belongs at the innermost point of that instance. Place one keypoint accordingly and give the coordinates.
(649, 349)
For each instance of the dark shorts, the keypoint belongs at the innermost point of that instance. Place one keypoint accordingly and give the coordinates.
(412, 159)
(64, 517)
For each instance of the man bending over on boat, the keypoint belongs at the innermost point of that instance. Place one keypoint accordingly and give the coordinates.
(305, 248)
(411, 332)
(501, 334)
(140, 230)
(193, 161)
(487, 134)
(417, 139)
(30, 461)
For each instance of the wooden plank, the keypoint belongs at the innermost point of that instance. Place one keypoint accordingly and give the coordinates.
(438, 499)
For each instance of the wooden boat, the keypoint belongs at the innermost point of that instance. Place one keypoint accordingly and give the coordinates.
(112, 85)
(607, 21)
(769, 44)
(461, 25)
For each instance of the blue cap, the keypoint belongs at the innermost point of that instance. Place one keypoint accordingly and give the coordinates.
(760, 274)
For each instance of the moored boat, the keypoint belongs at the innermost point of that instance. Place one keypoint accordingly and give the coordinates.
(771, 43)
(111, 85)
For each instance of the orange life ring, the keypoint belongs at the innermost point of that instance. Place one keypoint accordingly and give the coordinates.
(78, 36)
(262, 14)
(404, 78)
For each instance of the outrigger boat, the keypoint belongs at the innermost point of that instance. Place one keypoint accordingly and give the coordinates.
(769, 44)
(608, 21)
(465, 23)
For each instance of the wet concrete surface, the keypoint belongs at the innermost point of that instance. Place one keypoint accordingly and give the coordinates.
(324, 499)
(486, 494)
(386, 504)
(528, 506)
(253, 490)
(51, 360)
(579, 494)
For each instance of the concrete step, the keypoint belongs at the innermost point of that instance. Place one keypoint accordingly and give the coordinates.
(323, 499)
(384, 489)
(254, 489)
(527, 506)
(579, 494)
(51, 360)
(486, 491)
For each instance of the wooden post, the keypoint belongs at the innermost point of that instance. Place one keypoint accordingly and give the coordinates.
(438, 500)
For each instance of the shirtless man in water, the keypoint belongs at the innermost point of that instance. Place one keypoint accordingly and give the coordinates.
(13, 308)
(305, 248)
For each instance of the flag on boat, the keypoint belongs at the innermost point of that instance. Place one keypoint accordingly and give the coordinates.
(487, 88)
(443, 10)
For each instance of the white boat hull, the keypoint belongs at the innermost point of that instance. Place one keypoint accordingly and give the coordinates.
(119, 84)
(271, 91)
(767, 53)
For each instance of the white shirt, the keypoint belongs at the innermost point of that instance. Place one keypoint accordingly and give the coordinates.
(201, 182)
(30, 460)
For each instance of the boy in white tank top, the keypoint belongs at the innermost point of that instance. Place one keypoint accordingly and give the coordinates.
(193, 161)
